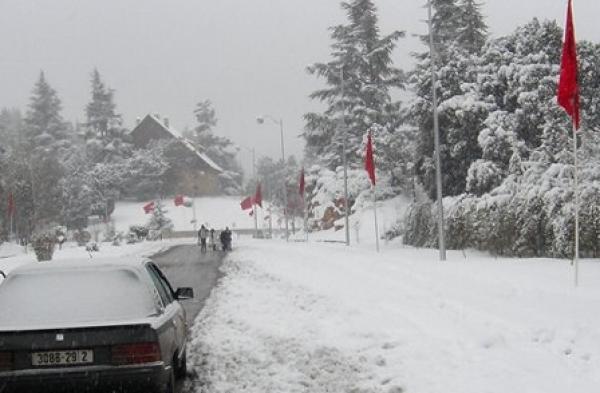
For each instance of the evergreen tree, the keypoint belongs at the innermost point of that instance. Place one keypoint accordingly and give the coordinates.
(218, 148)
(44, 126)
(472, 29)
(461, 111)
(104, 133)
(363, 56)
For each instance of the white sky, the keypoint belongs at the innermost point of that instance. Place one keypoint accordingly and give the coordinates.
(248, 57)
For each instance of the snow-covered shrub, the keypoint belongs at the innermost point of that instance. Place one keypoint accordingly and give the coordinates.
(483, 176)
(159, 220)
(43, 244)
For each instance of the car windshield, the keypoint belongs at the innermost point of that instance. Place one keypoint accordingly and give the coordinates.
(73, 296)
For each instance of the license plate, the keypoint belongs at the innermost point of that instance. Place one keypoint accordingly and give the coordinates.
(62, 358)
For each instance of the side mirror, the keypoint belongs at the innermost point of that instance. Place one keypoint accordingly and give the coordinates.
(184, 293)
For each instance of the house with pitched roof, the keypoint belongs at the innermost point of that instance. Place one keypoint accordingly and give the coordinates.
(194, 173)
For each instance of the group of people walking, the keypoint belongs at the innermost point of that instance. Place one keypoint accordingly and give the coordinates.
(209, 236)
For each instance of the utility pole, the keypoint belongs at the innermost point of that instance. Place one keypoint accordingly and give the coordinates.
(436, 135)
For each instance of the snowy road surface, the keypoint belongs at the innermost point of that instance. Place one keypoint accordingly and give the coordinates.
(186, 266)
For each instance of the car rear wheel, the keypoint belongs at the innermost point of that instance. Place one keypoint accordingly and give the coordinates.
(170, 386)
(181, 370)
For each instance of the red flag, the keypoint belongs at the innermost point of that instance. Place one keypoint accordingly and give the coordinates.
(568, 85)
(179, 200)
(369, 162)
(302, 184)
(246, 203)
(148, 207)
(11, 208)
(258, 196)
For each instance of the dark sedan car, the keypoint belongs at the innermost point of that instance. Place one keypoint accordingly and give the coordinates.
(91, 325)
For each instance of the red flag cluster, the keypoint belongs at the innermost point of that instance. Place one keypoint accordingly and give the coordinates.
(179, 200)
(369, 161)
(568, 86)
(148, 207)
(256, 199)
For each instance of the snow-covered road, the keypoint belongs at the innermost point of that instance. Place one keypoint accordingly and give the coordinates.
(325, 318)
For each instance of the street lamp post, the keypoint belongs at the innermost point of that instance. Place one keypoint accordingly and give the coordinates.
(261, 120)
(436, 135)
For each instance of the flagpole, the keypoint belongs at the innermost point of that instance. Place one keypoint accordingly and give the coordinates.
(375, 215)
(254, 213)
(576, 176)
(305, 213)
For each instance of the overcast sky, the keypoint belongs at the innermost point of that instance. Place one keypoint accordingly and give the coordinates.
(247, 56)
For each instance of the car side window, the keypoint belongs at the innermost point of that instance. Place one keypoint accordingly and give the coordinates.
(163, 283)
(158, 285)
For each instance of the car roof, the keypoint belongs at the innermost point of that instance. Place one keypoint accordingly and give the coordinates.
(135, 263)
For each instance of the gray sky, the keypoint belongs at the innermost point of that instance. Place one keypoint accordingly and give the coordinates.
(248, 57)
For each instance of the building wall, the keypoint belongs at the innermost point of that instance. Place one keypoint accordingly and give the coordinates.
(192, 182)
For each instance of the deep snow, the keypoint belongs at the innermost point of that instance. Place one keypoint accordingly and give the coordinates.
(325, 318)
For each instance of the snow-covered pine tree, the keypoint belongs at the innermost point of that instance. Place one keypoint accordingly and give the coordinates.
(47, 141)
(364, 58)
(104, 132)
(472, 29)
(219, 148)
(446, 23)
(44, 127)
(461, 110)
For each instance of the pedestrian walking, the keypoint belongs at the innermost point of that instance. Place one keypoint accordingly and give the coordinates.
(211, 240)
(202, 234)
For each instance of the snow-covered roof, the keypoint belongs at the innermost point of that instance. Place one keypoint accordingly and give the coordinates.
(186, 142)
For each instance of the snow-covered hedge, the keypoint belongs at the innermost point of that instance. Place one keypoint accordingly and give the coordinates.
(528, 216)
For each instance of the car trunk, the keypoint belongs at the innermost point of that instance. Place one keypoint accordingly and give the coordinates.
(101, 341)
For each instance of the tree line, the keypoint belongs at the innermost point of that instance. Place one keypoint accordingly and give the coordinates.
(506, 145)
(60, 173)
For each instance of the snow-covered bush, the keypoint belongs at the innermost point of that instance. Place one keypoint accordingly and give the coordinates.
(43, 245)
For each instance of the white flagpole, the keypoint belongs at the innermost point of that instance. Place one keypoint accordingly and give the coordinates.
(375, 215)
(576, 176)
(255, 214)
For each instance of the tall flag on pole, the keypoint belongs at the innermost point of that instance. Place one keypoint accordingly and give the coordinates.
(568, 86)
(370, 168)
(369, 162)
(302, 183)
(568, 98)
(257, 196)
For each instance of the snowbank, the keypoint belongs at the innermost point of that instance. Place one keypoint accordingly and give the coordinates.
(327, 318)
